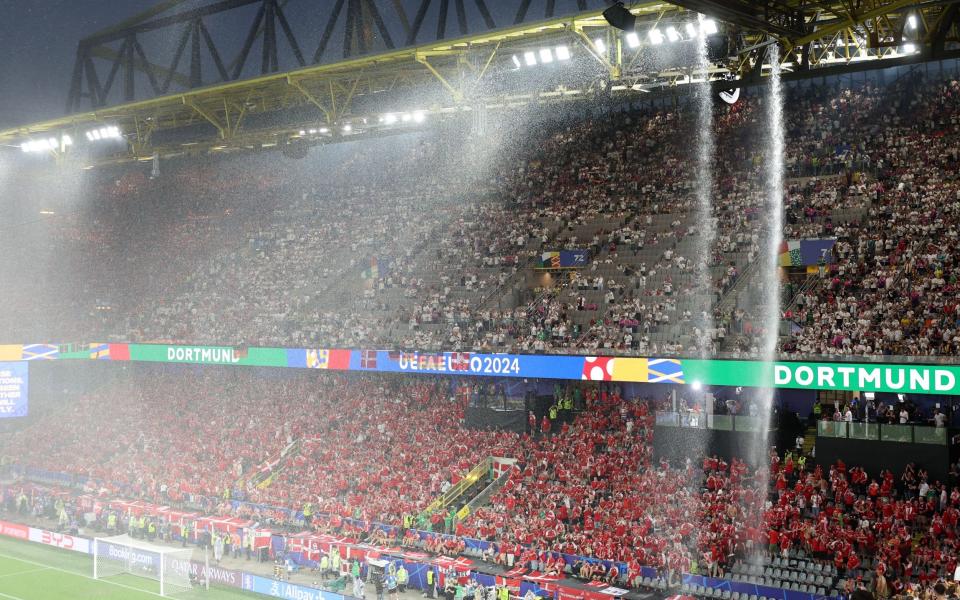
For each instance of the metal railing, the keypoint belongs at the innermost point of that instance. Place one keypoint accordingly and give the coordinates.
(692, 420)
(879, 432)
(459, 488)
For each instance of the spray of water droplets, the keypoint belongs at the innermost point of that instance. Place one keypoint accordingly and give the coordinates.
(772, 227)
(706, 225)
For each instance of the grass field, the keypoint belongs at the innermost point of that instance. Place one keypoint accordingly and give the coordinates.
(34, 572)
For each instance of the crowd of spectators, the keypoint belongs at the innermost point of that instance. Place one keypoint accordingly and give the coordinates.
(381, 449)
(431, 241)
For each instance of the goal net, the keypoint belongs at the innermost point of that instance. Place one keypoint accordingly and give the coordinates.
(122, 554)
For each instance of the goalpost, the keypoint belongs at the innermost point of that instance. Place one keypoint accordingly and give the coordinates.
(170, 566)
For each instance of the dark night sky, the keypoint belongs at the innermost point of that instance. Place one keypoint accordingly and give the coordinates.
(41, 38)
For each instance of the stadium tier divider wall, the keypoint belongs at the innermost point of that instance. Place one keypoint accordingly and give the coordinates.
(879, 376)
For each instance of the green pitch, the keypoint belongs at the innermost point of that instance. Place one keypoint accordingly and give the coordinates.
(34, 572)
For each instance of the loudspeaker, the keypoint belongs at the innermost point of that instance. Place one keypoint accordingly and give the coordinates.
(718, 47)
(620, 17)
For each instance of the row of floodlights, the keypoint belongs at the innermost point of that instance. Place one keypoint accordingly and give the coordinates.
(53, 144)
(104, 133)
(670, 34)
(324, 130)
(417, 116)
(544, 56)
(47, 145)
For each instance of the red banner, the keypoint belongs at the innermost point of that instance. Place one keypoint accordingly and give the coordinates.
(14, 530)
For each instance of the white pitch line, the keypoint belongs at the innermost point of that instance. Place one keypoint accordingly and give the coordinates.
(2, 595)
(24, 572)
(32, 562)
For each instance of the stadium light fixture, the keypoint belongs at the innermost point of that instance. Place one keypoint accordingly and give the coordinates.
(656, 37)
(45, 145)
(390, 118)
(324, 130)
(600, 46)
(546, 56)
(672, 34)
(302, 133)
(530, 59)
(419, 116)
(708, 27)
(563, 53)
(912, 21)
(111, 132)
(516, 61)
(633, 40)
(691, 30)
(697, 386)
(313, 132)
(909, 48)
(347, 128)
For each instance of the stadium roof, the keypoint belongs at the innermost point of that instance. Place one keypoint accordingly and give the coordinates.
(498, 69)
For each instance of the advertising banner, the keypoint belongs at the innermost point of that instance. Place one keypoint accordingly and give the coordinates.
(564, 259)
(217, 575)
(60, 540)
(14, 380)
(798, 253)
(282, 589)
(867, 377)
(14, 530)
(209, 355)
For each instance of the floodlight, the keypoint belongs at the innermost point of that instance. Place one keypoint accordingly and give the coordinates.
(708, 27)
(347, 128)
(419, 116)
(390, 119)
(912, 21)
(563, 53)
(529, 58)
(600, 45)
(691, 30)
(516, 61)
(909, 48)
(656, 37)
(546, 56)
(672, 34)
(633, 40)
